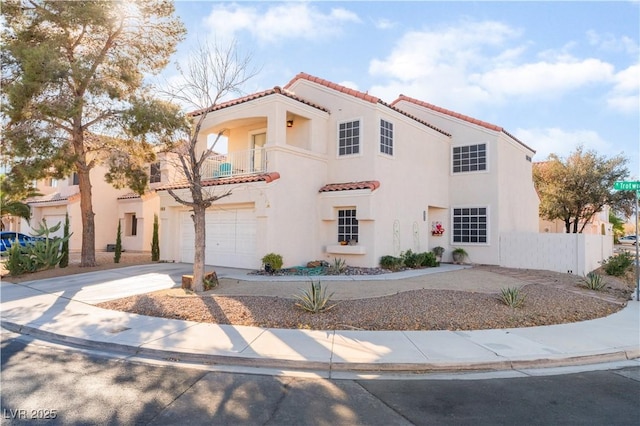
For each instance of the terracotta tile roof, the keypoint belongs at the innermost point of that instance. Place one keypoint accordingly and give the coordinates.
(275, 91)
(459, 116)
(366, 184)
(129, 195)
(53, 198)
(360, 95)
(264, 177)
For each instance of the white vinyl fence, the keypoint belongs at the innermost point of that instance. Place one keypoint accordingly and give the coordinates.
(567, 253)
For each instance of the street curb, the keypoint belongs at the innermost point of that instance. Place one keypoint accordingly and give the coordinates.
(623, 354)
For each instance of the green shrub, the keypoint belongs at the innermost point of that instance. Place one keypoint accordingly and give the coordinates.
(619, 264)
(155, 242)
(593, 281)
(391, 263)
(118, 251)
(428, 259)
(42, 254)
(314, 300)
(272, 262)
(512, 297)
(411, 259)
(18, 261)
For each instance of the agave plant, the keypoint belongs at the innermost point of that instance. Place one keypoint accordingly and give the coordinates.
(315, 299)
(512, 297)
(594, 281)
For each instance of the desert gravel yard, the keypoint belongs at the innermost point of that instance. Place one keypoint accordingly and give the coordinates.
(417, 304)
(458, 300)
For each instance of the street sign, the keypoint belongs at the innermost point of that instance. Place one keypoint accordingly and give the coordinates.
(628, 185)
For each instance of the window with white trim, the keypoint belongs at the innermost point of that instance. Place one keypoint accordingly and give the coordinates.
(386, 137)
(470, 158)
(347, 225)
(349, 138)
(154, 173)
(470, 225)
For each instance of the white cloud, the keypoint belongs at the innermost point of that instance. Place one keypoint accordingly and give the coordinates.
(610, 43)
(384, 24)
(544, 78)
(279, 22)
(562, 142)
(625, 96)
(484, 63)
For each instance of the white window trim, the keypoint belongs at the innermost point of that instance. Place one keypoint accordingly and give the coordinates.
(252, 133)
(393, 138)
(360, 140)
(487, 168)
(470, 206)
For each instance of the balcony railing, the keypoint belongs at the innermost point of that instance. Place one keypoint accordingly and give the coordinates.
(237, 163)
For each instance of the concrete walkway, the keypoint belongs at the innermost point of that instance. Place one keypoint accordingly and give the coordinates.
(62, 310)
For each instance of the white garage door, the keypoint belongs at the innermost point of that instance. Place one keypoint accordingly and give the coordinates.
(230, 238)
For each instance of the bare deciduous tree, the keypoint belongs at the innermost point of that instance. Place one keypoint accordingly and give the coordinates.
(212, 72)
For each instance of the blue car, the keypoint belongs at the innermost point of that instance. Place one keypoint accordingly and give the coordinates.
(7, 238)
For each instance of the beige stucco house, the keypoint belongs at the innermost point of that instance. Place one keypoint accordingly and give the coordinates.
(110, 205)
(321, 171)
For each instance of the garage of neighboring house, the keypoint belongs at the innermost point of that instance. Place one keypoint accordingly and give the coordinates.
(231, 238)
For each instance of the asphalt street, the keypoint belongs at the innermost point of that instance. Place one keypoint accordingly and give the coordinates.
(58, 385)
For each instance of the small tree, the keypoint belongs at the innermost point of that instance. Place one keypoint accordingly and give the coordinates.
(575, 189)
(155, 242)
(64, 260)
(118, 250)
(212, 73)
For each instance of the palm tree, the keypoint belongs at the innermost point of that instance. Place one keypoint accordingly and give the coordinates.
(14, 208)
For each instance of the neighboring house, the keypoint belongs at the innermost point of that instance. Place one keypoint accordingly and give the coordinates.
(598, 225)
(62, 196)
(321, 171)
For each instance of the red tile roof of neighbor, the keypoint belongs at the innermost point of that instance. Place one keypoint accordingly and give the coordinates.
(459, 116)
(367, 184)
(276, 90)
(360, 95)
(264, 177)
(55, 197)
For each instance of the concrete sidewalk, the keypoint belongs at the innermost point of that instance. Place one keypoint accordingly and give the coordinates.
(62, 310)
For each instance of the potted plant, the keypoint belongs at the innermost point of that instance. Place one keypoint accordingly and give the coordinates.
(459, 254)
(438, 251)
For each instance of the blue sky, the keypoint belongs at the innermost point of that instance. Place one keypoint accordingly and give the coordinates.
(554, 74)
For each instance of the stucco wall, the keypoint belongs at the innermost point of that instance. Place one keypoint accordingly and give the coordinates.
(566, 253)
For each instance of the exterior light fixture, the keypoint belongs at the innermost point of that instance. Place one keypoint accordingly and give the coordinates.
(289, 123)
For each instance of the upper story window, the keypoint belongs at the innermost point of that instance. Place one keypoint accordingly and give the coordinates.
(470, 225)
(470, 158)
(75, 179)
(52, 182)
(154, 173)
(347, 225)
(386, 137)
(349, 138)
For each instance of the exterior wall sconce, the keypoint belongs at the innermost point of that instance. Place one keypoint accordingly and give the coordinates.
(289, 123)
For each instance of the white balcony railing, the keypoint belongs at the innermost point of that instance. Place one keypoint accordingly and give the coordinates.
(237, 163)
